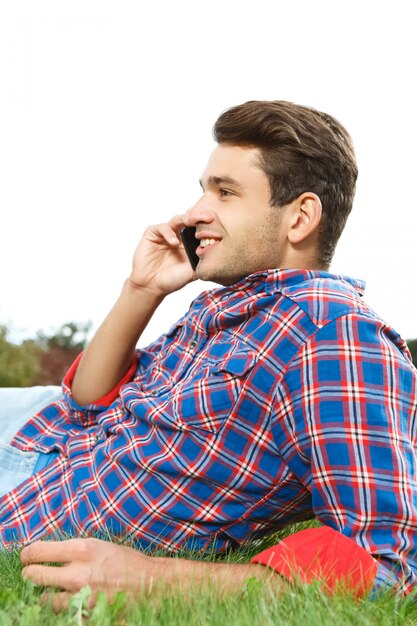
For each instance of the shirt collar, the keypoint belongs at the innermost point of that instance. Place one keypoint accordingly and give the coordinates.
(278, 280)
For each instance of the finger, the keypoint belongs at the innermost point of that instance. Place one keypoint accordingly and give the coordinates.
(68, 577)
(47, 575)
(42, 551)
(177, 222)
(60, 600)
(165, 232)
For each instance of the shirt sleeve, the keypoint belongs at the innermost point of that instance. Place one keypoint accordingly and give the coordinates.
(86, 414)
(325, 555)
(348, 431)
(111, 396)
(143, 362)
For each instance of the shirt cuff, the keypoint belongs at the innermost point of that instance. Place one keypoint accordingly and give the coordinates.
(322, 554)
(112, 395)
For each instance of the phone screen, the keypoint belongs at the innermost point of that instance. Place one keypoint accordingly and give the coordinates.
(191, 244)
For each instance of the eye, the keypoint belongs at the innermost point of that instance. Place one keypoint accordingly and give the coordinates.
(224, 193)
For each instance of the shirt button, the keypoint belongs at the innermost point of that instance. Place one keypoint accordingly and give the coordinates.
(193, 344)
(154, 392)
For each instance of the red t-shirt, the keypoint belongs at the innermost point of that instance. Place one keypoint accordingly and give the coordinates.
(322, 554)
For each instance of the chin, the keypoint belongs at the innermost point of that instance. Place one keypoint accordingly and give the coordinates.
(204, 273)
(218, 276)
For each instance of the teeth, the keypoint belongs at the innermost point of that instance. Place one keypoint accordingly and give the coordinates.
(207, 242)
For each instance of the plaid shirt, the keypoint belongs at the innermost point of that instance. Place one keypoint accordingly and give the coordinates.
(278, 399)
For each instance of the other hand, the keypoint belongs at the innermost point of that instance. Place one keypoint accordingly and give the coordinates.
(160, 263)
(104, 566)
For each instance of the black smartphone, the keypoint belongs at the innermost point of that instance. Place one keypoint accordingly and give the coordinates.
(191, 244)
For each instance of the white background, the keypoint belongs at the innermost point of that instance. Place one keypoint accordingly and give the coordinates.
(105, 127)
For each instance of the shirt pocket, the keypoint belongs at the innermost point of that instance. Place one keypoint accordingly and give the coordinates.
(208, 398)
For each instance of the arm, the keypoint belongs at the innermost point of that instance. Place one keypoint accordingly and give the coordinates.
(315, 554)
(351, 422)
(159, 267)
(109, 568)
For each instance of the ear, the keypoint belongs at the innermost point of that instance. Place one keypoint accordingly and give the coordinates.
(305, 217)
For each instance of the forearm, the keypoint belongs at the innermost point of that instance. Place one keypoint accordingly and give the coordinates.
(109, 568)
(111, 351)
(159, 267)
(224, 578)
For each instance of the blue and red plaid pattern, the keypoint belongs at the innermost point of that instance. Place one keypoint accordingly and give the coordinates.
(278, 399)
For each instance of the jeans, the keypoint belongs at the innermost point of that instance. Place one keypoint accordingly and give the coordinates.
(17, 406)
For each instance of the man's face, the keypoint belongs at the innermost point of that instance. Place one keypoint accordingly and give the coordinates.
(239, 232)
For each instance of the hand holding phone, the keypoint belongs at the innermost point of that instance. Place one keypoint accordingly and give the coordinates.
(191, 244)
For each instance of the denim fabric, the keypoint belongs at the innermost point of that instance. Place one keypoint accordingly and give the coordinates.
(17, 405)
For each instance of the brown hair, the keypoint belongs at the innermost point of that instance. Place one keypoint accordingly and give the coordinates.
(301, 149)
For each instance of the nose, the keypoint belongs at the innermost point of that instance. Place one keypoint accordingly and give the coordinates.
(201, 212)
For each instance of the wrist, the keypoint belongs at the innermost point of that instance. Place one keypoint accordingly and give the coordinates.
(141, 292)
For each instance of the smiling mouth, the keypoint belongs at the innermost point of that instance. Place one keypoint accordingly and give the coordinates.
(205, 243)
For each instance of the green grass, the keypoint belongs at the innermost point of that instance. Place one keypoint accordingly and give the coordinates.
(254, 605)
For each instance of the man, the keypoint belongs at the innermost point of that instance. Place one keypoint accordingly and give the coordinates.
(278, 397)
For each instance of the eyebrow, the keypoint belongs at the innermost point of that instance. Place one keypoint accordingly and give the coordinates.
(216, 181)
